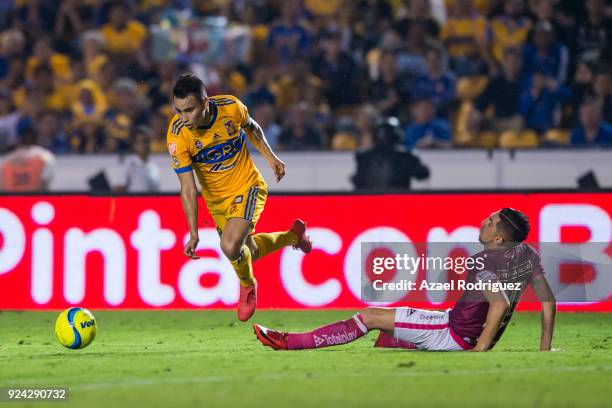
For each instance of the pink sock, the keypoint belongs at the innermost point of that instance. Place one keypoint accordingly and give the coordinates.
(387, 341)
(333, 334)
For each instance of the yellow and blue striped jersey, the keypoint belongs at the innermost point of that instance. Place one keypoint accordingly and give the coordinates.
(217, 151)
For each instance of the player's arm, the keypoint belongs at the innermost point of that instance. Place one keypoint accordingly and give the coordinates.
(189, 198)
(256, 136)
(549, 309)
(498, 306)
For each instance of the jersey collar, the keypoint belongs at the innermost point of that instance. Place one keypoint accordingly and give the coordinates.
(213, 106)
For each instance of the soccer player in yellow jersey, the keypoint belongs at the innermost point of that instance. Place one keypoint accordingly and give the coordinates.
(208, 136)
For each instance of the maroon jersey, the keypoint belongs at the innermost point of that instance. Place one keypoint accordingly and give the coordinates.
(516, 265)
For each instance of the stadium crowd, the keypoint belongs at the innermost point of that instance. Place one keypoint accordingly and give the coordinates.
(87, 75)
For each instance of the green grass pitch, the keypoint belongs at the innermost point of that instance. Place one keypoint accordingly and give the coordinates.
(208, 359)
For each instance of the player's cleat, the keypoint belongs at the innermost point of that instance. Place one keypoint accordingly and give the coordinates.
(385, 340)
(304, 243)
(271, 338)
(247, 302)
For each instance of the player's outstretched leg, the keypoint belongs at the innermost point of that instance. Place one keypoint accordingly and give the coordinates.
(342, 332)
(272, 241)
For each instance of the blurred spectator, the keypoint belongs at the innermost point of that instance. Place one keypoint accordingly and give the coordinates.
(345, 135)
(410, 11)
(581, 86)
(602, 90)
(465, 38)
(544, 12)
(437, 84)
(391, 90)
(90, 104)
(41, 86)
(141, 174)
(160, 88)
(365, 118)
(289, 88)
(28, 168)
(427, 131)
(546, 55)
(123, 35)
(592, 130)
(92, 43)
(259, 91)
(411, 57)
(12, 48)
(298, 133)
(288, 39)
(593, 32)
(338, 71)
(502, 95)
(541, 102)
(509, 30)
(72, 19)
(264, 115)
(45, 55)
(11, 121)
(125, 113)
(388, 165)
(51, 136)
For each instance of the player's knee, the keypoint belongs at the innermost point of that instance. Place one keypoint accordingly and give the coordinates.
(231, 249)
(372, 317)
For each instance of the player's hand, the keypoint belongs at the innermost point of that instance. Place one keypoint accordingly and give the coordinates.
(477, 349)
(191, 246)
(278, 167)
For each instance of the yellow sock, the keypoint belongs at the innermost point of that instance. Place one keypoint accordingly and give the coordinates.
(270, 242)
(244, 267)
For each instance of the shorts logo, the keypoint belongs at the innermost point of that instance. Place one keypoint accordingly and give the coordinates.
(230, 127)
(431, 317)
(237, 200)
(172, 148)
(198, 144)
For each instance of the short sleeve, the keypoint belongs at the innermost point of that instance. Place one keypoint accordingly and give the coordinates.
(242, 112)
(537, 265)
(179, 154)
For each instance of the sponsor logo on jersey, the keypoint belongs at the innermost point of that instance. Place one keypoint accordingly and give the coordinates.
(175, 161)
(219, 153)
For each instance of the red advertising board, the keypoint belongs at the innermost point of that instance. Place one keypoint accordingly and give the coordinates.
(126, 252)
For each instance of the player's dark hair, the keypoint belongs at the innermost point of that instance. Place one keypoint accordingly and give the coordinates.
(189, 84)
(513, 224)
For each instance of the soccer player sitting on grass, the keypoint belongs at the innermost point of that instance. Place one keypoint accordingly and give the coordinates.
(478, 319)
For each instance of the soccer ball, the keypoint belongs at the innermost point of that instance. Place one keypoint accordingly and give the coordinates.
(75, 328)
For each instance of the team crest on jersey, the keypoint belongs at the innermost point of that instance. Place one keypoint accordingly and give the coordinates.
(198, 144)
(230, 127)
(172, 148)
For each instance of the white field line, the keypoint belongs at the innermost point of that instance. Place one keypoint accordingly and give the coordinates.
(405, 372)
